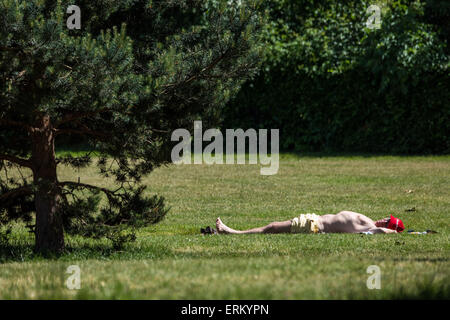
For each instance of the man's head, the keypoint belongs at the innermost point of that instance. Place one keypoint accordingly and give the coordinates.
(392, 223)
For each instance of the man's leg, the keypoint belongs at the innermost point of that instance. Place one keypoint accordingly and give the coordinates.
(274, 227)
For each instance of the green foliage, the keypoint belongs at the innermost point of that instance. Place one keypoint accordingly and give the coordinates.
(5, 233)
(81, 213)
(332, 84)
(119, 239)
(136, 70)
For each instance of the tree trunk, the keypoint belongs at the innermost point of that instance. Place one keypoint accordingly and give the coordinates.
(49, 227)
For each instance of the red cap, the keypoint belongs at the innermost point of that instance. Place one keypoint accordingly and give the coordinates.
(396, 224)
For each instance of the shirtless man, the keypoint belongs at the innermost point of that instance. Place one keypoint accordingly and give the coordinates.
(343, 222)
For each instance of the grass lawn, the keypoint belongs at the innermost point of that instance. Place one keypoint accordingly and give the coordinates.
(172, 260)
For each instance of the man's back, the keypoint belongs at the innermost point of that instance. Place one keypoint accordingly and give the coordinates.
(346, 222)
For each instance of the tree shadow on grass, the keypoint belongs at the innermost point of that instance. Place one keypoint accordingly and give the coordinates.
(24, 252)
(15, 252)
(426, 288)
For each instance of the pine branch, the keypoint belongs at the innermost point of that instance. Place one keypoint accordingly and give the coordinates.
(78, 116)
(199, 74)
(17, 160)
(22, 191)
(10, 49)
(107, 192)
(85, 131)
(209, 67)
(16, 124)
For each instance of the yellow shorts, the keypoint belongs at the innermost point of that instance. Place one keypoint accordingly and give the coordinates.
(305, 223)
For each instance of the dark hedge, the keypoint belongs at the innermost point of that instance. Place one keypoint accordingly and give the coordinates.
(329, 83)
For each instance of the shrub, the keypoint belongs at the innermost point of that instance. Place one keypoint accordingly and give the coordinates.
(332, 84)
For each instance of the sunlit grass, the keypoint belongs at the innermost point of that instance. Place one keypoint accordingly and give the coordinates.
(172, 260)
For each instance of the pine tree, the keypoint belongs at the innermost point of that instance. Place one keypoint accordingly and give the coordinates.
(134, 72)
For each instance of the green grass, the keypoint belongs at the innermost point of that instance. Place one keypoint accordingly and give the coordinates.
(172, 260)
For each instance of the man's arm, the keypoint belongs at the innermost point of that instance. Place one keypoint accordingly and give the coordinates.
(382, 230)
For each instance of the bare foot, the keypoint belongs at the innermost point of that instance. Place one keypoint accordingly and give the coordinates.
(222, 228)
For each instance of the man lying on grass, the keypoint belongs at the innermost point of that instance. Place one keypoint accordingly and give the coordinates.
(343, 222)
